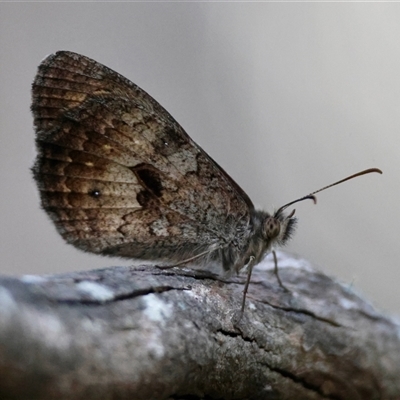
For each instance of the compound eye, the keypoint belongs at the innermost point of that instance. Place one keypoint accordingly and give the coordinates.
(272, 228)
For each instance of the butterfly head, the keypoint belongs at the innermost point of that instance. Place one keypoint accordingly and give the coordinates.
(278, 228)
(269, 231)
(275, 230)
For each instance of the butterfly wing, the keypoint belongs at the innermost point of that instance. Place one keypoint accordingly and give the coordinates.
(118, 175)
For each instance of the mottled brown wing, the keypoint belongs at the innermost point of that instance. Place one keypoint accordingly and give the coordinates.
(118, 175)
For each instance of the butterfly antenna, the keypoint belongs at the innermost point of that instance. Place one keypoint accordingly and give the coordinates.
(312, 197)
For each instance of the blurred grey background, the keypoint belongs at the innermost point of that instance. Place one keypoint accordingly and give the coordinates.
(287, 97)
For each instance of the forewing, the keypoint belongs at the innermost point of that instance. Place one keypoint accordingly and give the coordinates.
(118, 175)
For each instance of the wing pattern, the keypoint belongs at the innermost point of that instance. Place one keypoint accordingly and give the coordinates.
(118, 175)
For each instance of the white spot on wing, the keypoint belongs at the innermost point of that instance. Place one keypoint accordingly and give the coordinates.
(159, 227)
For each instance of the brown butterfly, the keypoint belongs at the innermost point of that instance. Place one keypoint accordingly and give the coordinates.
(119, 176)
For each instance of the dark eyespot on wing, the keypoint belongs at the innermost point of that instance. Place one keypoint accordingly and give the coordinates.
(147, 200)
(95, 193)
(149, 177)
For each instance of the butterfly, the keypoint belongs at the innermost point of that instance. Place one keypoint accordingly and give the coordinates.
(119, 176)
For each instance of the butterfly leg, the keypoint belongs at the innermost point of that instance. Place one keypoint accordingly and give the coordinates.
(183, 262)
(276, 272)
(250, 266)
(199, 272)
